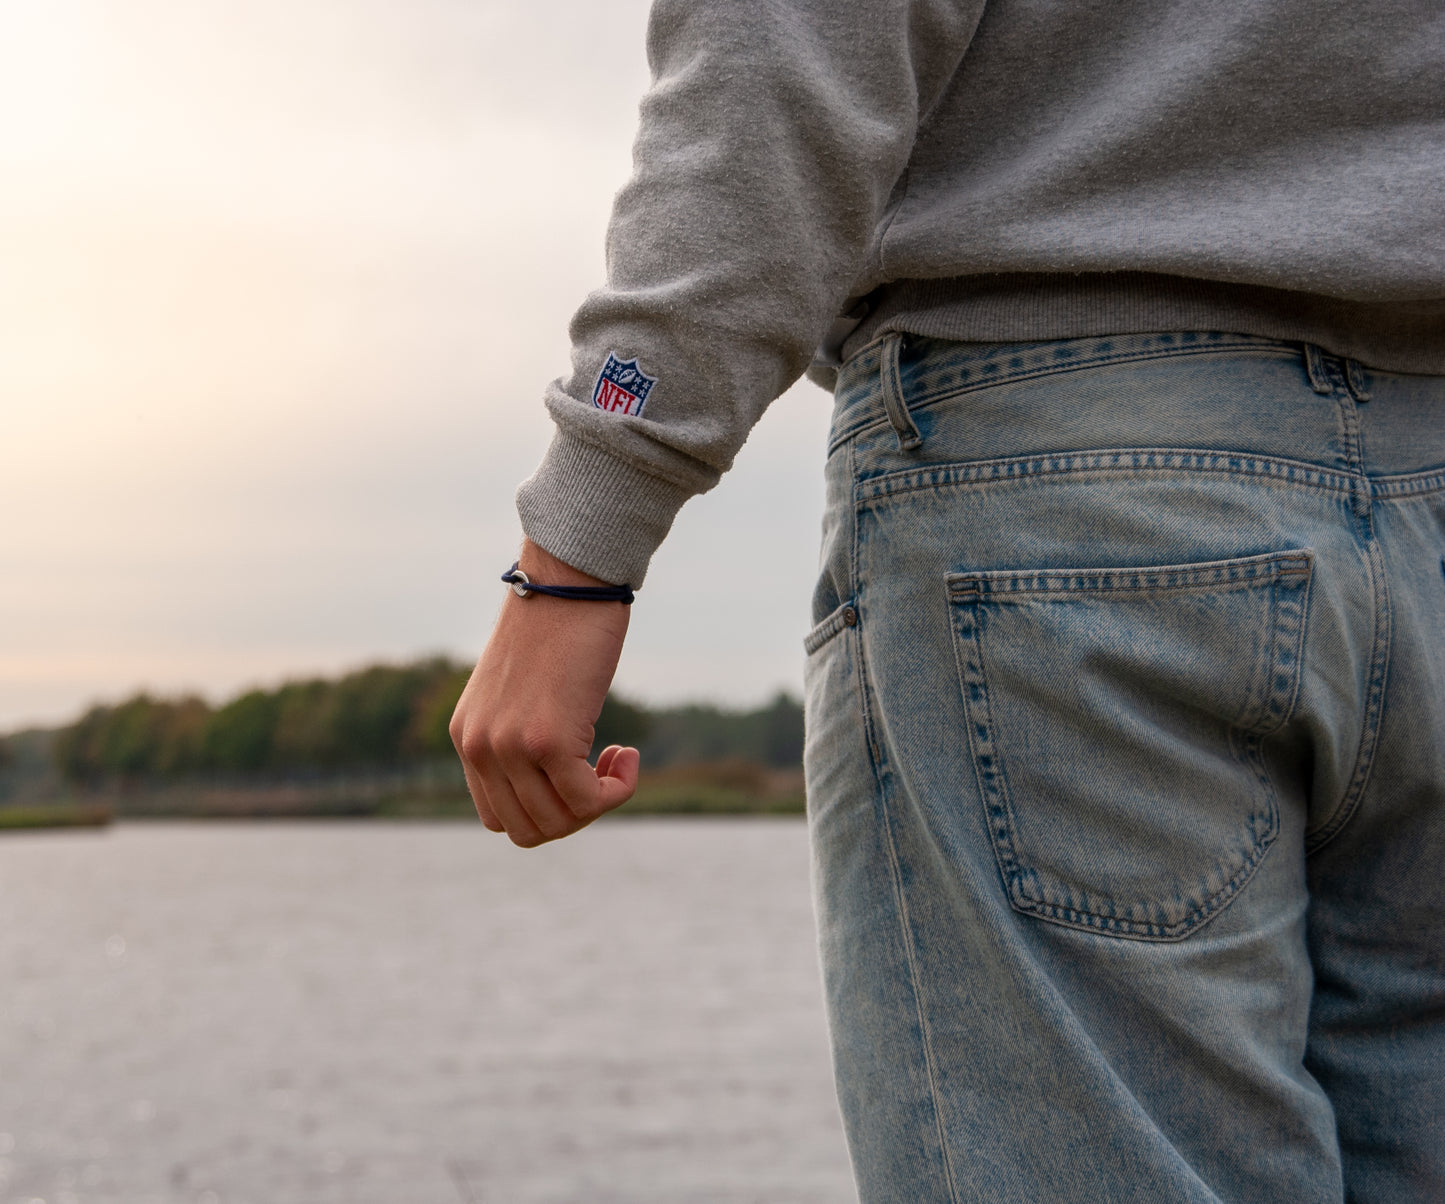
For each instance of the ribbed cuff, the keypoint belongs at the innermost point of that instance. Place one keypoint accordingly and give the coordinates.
(596, 512)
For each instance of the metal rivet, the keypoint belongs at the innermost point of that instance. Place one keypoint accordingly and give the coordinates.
(850, 617)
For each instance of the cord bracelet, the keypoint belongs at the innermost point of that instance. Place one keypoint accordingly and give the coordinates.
(522, 585)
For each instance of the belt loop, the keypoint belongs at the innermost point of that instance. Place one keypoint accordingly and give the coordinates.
(1355, 378)
(1315, 366)
(908, 437)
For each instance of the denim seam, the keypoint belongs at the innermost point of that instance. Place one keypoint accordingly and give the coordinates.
(1320, 836)
(987, 769)
(1257, 703)
(851, 469)
(1240, 573)
(1347, 408)
(1249, 752)
(1349, 427)
(876, 764)
(925, 1036)
(1059, 367)
(925, 400)
(1218, 341)
(1408, 485)
(1296, 650)
(1285, 641)
(1107, 460)
(963, 593)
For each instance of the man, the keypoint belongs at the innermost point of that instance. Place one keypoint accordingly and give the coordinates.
(1126, 747)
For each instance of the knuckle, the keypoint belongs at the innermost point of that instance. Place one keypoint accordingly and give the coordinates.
(475, 747)
(582, 810)
(508, 743)
(538, 744)
(548, 825)
(529, 745)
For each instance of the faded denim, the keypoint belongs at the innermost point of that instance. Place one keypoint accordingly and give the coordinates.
(1126, 772)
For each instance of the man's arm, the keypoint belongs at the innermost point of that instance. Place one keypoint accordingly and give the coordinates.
(524, 724)
(770, 147)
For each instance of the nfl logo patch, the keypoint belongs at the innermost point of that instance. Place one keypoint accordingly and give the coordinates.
(622, 387)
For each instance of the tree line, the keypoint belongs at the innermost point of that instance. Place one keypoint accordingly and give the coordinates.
(381, 718)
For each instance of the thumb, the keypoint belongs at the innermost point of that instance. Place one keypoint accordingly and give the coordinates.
(590, 792)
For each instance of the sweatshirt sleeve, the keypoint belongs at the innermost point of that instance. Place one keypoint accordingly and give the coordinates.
(771, 144)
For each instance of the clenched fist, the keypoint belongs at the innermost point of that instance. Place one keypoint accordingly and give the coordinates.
(524, 725)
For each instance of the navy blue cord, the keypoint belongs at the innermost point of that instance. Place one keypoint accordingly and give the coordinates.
(519, 582)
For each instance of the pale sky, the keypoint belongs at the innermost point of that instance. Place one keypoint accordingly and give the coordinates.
(280, 287)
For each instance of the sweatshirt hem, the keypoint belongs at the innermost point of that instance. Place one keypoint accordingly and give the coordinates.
(1397, 336)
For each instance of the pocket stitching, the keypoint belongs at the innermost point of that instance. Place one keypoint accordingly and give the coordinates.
(993, 786)
(1292, 570)
(830, 626)
(1122, 462)
(1238, 573)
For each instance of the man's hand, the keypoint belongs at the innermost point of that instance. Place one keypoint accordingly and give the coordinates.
(523, 726)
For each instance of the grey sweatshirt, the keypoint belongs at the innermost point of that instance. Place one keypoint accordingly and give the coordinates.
(984, 170)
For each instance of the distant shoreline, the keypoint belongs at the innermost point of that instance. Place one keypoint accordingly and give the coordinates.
(55, 815)
(726, 788)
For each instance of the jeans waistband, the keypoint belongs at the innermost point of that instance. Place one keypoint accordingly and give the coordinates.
(913, 370)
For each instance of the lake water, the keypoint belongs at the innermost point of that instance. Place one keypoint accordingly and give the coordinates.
(369, 1013)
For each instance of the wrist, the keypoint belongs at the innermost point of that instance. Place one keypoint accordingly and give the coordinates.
(540, 565)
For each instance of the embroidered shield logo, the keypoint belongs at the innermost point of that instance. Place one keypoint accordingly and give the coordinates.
(622, 387)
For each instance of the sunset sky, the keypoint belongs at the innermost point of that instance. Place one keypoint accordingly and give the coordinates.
(280, 287)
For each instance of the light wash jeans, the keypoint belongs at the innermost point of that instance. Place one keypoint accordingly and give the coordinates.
(1126, 773)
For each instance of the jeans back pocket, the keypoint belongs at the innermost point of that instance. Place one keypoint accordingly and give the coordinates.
(1115, 718)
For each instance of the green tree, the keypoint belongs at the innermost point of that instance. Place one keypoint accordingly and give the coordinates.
(177, 737)
(238, 737)
(428, 735)
(140, 737)
(304, 736)
(372, 711)
(771, 735)
(383, 715)
(777, 738)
